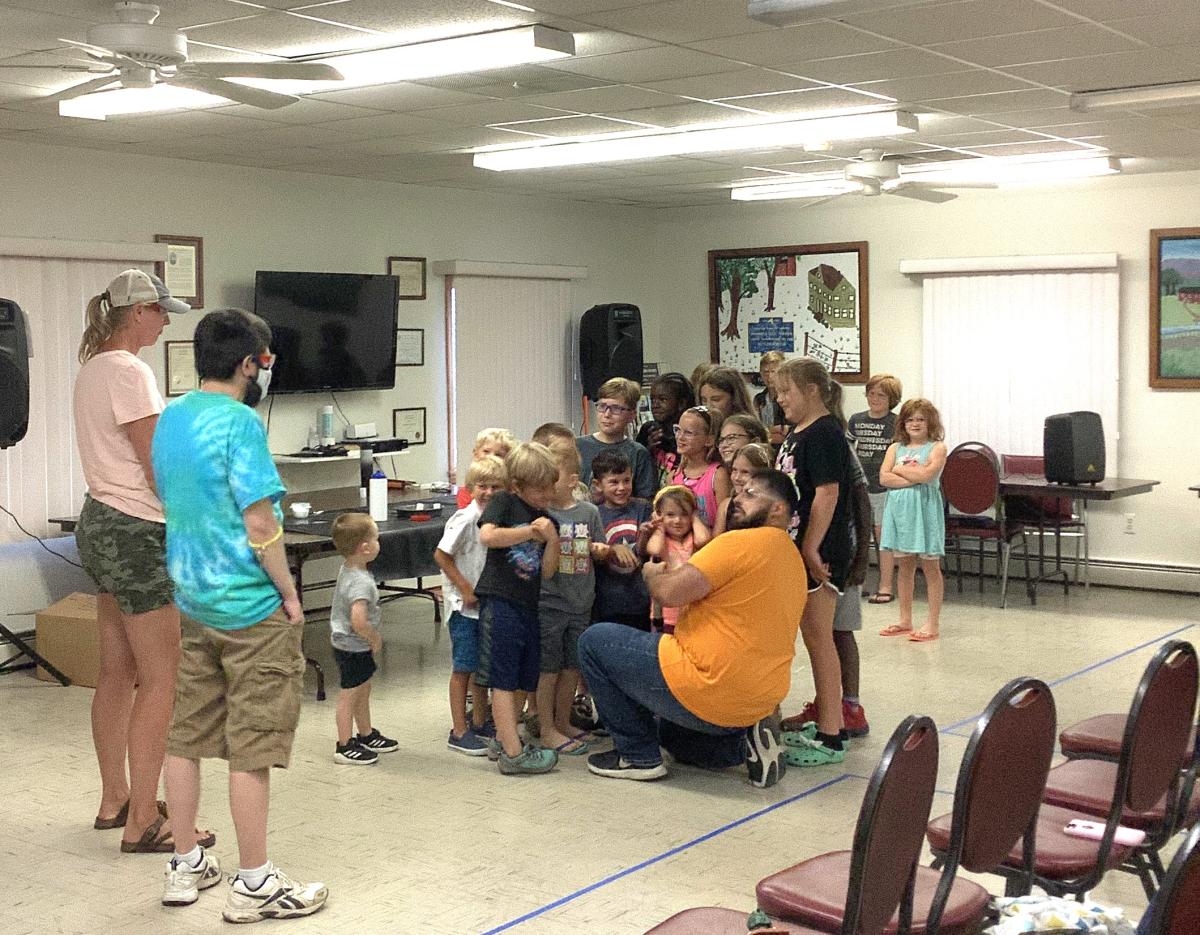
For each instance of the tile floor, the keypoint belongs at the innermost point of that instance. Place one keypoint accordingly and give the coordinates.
(432, 842)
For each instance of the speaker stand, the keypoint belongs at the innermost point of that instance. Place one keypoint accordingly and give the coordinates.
(12, 665)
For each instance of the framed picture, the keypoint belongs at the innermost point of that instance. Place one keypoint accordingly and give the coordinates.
(183, 271)
(180, 368)
(807, 300)
(1175, 308)
(410, 424)
(410, 347)
(410, 270)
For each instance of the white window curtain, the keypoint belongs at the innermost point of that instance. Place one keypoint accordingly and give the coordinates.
(511, 357)
(41, 476)
(1003, 351)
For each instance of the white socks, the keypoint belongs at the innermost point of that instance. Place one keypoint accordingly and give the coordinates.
(192, 858)
(255, 877)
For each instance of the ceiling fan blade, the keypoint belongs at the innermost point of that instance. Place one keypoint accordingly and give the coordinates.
(295, 71)
(243, 94)
(87, 69)
(932, 195)
(87, 87)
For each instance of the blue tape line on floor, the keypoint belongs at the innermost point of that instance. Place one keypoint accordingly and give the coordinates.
(1086, 669)
(708, 836)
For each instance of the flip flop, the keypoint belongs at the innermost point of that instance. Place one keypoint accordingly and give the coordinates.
(881, 597)
(573, 747)
(920, 636)
(895, 630)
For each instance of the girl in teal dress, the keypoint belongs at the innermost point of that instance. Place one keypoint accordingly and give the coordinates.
(914, 523)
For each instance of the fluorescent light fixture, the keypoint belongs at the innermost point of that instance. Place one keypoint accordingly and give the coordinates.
(701, 138)
(997, 171)
(1149, 95)
(161, 97)
(501, 48)
(789, 12)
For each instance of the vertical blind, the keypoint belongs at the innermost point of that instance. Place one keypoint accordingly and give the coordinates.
(41, 476)
(1003, 351)
(510, 343)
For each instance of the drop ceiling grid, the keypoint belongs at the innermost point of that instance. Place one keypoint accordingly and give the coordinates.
(993, 76)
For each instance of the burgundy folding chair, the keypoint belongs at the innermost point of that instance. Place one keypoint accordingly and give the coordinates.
(1041, 516)
(1176, 908)
(998, 794)
(1159, 794)
(876, 876)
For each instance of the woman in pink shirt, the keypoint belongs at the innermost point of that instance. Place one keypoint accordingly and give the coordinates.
(122, 540)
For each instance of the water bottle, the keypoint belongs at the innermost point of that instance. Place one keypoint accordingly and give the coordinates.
(314, 437)
(327, 425)
(377, 496)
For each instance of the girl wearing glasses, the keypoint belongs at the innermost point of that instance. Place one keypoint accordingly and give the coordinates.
(700, 468)
(738, 431)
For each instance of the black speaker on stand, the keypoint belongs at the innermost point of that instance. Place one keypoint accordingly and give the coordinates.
(1073, 448)
(14, 422)
(610, 345)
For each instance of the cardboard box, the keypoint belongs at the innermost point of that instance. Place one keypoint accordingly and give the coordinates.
(68, 638)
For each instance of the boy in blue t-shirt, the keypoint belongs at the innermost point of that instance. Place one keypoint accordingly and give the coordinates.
(241, 669)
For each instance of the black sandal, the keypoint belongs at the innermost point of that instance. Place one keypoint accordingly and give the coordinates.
(881, 597)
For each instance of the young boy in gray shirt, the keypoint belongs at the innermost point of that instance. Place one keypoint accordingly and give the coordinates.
(354, 632)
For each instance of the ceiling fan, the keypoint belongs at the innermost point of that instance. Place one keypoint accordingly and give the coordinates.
(134, 53)
(877, 175)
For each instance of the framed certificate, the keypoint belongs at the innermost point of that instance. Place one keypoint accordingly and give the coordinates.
(410, 347)
(410, 270)
(409, 424)
(183, 271)
(180, 368)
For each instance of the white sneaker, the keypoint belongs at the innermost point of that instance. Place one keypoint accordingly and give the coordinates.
(280, 897)
(184, 882)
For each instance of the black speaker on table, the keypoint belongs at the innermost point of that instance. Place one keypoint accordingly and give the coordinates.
(14, 374)
(1073, 448)
(610, 345)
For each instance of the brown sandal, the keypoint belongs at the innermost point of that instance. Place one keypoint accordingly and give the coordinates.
(153, 841)
(117, 821)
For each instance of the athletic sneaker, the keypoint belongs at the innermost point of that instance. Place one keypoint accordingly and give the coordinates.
(765, 752)
(493, 748)
(614, 766)
(806, 715)
(854, 719)
(485, 730)
(184, 882)
(529, 761)
(584, 716)
(469, 743)
(377, 742)
(353, 753)
(280, 897)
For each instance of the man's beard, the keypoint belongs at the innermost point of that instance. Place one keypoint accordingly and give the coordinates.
(741, 520)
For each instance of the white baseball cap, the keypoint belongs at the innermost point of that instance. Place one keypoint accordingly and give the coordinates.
(135, 286)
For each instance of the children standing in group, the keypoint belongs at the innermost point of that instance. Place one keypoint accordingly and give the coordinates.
(493, 441)
(354, 632)
(678, 532)
(621, 595)
(700, 467)
(565, 607)
(752, 458)
(461, 556)
(522, 544)
(873, 431)
(670, 395)
(615, 411)
(914, 523)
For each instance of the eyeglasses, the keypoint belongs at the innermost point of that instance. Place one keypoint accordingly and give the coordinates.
(266, 361)
(686, 433)
(731, 437)
(608, 409)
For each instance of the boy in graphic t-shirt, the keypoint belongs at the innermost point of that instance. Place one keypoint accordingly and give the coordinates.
(522, 543)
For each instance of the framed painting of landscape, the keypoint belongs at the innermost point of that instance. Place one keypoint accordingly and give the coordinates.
(807, 300)
(1175, 308)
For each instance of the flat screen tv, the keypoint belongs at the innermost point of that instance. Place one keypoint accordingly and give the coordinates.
(330, 331)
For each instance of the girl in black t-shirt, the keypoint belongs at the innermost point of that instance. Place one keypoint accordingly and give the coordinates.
(817, 457)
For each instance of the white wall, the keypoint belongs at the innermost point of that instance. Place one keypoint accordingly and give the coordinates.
(1159, 437)
(254, 219)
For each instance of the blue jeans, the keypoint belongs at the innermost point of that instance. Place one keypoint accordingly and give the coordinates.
(621, 667)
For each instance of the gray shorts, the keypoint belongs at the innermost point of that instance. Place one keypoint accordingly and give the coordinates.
(560, 634)
(877, 502)
(847, 614)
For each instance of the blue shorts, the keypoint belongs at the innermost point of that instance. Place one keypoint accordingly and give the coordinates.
(464, 642)
(509, 646)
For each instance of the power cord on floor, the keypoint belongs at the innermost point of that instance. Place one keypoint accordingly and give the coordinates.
(38, 538)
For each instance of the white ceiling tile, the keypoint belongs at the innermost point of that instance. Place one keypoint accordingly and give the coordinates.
(644, 65)
(984, 138)
(963, 19)
(803, 102)
(1163, 29)
(934, 87)
(581, 8)
(27, 120)
(781, 47)
(679, 21)
(421, 20)
(487, 112)
(1026, 119)
(680, 115)
(1043, 46)
(605, 99)
(398, 97)
(390, 146)
(1107, 10)
(25, 30)
(1148, 66)
(732, 84)
(1029, 148)
(1164, 143)
(939, 123)
(305, 111)
(877, 66)
(467, 137)
(586, 125)
(1002, 101)
(280, 34)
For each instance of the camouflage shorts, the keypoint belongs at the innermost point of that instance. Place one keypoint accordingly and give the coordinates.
(125, 556)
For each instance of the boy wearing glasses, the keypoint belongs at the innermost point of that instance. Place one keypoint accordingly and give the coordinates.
(614, 413)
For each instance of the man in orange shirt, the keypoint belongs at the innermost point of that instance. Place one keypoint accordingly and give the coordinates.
(714, 686)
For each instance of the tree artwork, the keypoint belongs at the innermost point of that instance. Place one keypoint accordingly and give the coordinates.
(739, 277)
(1169, 280)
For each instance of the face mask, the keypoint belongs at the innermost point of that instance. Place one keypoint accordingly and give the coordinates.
(258, 389)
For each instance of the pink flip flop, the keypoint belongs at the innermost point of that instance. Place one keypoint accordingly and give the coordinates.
(920, 636)
(895, 630)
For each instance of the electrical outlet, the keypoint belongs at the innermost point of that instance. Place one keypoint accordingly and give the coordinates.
(1129, 530)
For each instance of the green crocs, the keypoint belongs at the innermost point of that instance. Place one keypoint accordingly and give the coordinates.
(811, 753)
(798, 738)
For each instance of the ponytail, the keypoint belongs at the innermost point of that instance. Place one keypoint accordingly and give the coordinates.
(103, 320)
(807, 371)
(833, 402)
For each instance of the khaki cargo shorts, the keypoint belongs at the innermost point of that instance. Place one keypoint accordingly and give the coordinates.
(237, 694)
